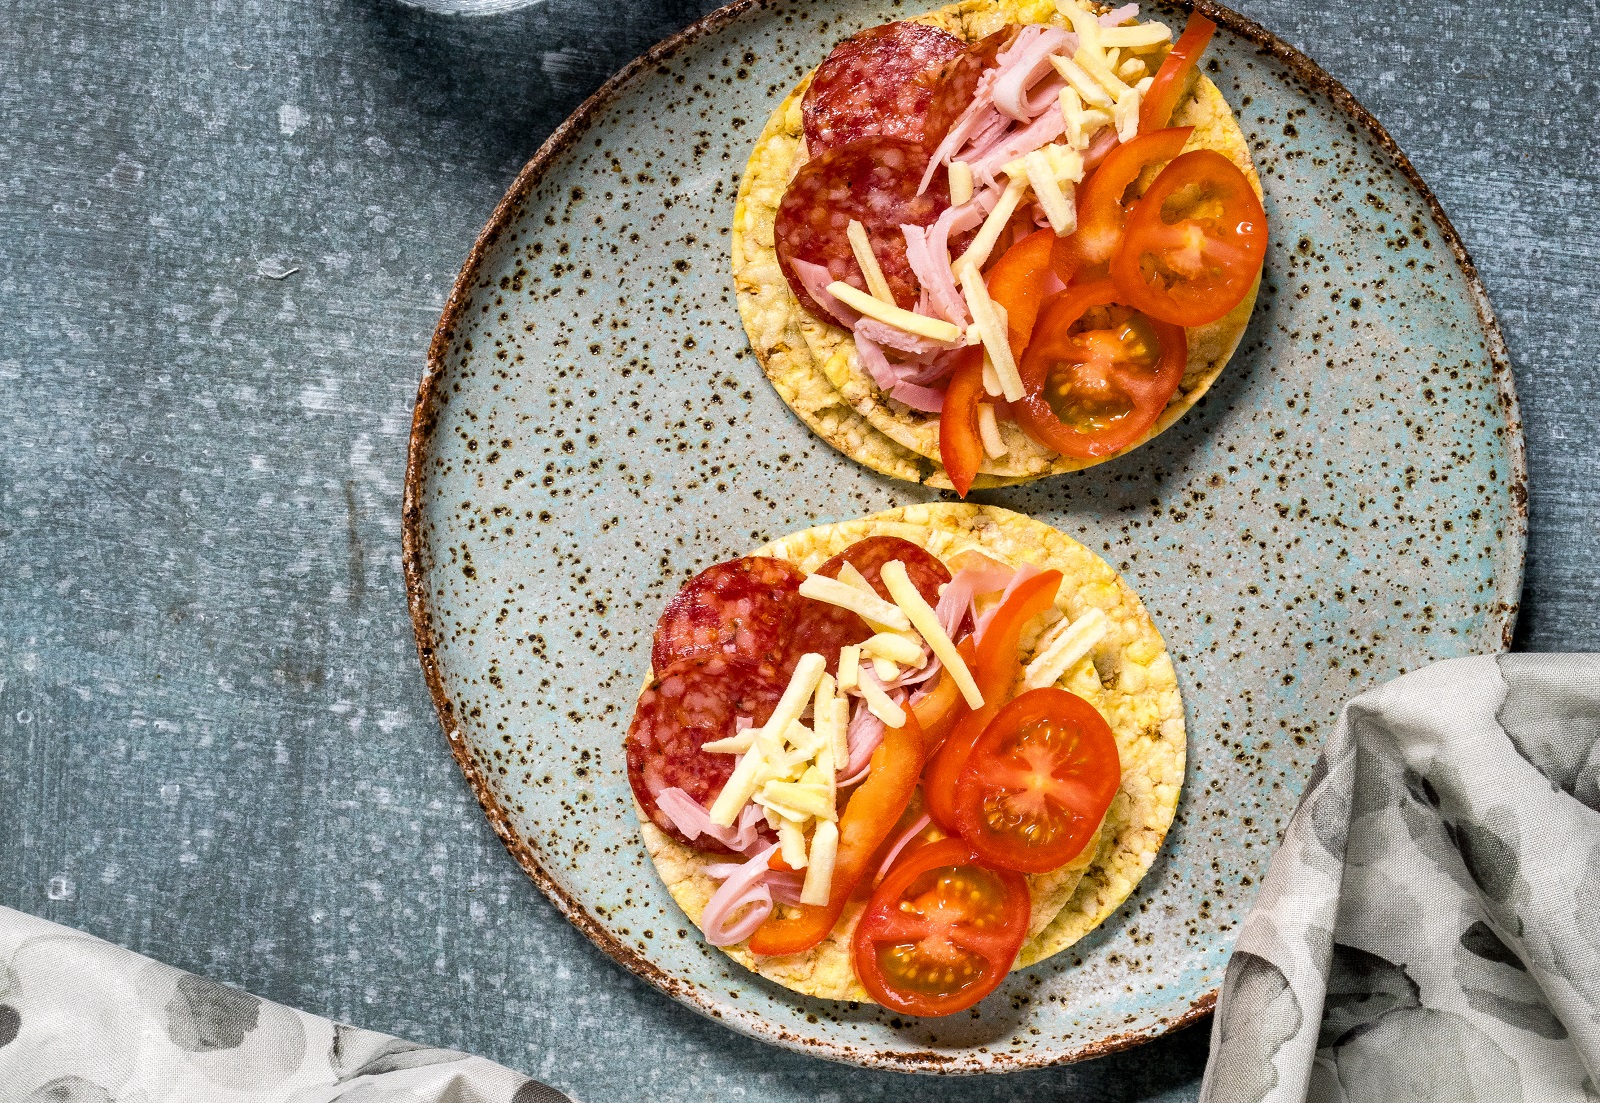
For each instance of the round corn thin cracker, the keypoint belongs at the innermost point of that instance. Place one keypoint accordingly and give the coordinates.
(830, 390)
(1128, 677)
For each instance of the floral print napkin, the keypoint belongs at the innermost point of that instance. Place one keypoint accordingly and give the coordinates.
(83, 1021)
(1430, 927)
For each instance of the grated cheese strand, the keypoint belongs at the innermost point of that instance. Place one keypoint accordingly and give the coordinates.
(1080, 82)
(1140, 36)
(960, 174)
(849, 666)
(1061, 650)
(983, 244)
(880, 704)
(868, 605)
(989, 431)
(921, 614)
(1042, 177)
(877, 283)
(932, 328)
(819, 873)
(896, 648)
(996, 341)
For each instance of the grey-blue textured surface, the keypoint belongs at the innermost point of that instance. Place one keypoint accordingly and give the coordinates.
(227, 232)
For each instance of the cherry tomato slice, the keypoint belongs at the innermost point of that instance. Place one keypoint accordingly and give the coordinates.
(1017, 283)
(1193, 243)
(1097, 374)
(941, 931)
(1084, 254)
(1155, 110)
(872, 812)
(995, 671)
(1038, 783)
(960, 447)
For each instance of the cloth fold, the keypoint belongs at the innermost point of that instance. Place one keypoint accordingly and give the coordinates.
(83, 1021)
(1430, 927)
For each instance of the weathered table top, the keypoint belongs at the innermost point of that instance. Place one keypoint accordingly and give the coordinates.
(227, 231)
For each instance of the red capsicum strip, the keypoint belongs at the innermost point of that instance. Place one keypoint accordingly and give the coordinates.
(871, 814)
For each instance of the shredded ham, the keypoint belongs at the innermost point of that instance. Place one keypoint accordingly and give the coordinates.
(875, 363)
(922, 399)
(979, 112)
(1022, 574)
(785, 887)
(900, 844)
(942, 297)
(1021, 66)
(815, 279)
(935, 371)
(1118, 16)
(691, 818)
(967, 584)
(1103, 143)
(1042, 131)
(882, 333)
(863, 736)
(742, 903)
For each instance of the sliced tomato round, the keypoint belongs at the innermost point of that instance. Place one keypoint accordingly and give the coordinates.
(1038, 783)
(941, 931)
(1194, 242)
(994, 665)
(1084, 254)
(1097, 373)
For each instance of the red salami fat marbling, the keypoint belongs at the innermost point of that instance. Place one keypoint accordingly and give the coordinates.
(875, 84)
(955, 84)
(692, 702)
(873, 182)
(744, 608)
(825, 628)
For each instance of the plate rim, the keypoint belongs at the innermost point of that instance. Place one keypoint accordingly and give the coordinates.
(426, 413)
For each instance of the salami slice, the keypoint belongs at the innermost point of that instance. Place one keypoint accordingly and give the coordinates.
(743, 608)
(691, 702)
(873, 182)
(875, 84)
(825, 628)
(956, 83)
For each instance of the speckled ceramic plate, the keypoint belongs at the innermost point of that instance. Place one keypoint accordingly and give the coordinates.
(1346, 504)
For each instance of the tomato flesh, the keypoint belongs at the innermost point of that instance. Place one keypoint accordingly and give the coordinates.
(1194, 243)
(941, 931)
(1097, 374)
(1038, 782)
(1084, 254)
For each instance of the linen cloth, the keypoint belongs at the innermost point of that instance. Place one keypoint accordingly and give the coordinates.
(1430, 927)
(83, 1021)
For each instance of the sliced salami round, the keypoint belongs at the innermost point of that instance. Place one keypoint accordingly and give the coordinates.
(868, 556)
(825, 628)
(690, 703)
(744, 608)
(875, 84)
(873, 182)
(957, 81)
